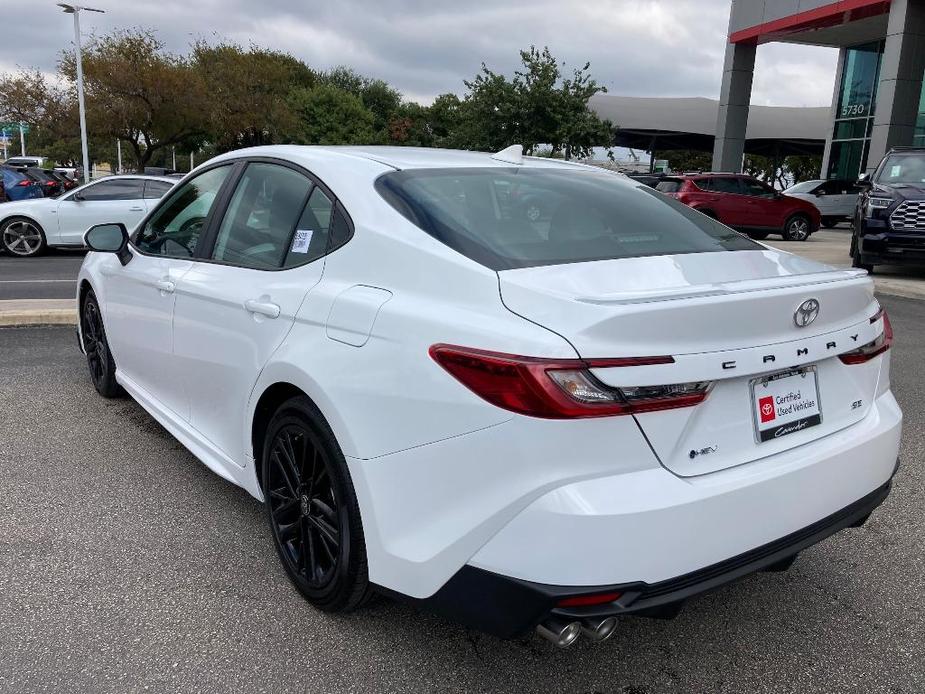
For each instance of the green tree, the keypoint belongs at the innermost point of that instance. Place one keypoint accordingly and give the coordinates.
(328, 115)
(382, 101)
(687, 159)
(246, 92)
(537, 107)
(136, 92)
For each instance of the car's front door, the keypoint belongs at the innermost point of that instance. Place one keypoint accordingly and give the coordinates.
(111, 199)
(235, 308)
(140, 296)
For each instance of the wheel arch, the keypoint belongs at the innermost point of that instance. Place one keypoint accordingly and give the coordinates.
(83, 288)
(274, 394)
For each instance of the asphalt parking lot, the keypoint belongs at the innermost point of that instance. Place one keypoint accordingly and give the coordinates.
(50, 276)
(126, 566)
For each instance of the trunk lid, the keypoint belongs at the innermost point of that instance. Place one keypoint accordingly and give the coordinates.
(725, 317)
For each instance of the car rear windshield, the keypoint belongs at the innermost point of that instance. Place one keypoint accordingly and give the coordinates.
(506, 218)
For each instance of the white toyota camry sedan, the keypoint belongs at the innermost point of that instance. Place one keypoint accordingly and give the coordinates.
(517, 421)
(28, 227)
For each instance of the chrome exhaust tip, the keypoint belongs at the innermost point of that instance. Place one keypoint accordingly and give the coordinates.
(558, 632)
(599, 628)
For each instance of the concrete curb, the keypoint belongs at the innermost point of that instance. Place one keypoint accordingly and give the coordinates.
(19, 312)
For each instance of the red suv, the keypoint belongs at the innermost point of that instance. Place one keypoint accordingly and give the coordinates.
(745, 203)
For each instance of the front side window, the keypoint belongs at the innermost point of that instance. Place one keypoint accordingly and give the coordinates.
(174, 228)
(260, 225)
(115, 189)
(490, 215)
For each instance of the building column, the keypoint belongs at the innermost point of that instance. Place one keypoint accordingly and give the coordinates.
(900, 80)
(735, 96)
(839, 76)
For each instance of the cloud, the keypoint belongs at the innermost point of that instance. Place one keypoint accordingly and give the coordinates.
(427, 47)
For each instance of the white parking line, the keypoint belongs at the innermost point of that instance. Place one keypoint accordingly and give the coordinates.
(34, 281)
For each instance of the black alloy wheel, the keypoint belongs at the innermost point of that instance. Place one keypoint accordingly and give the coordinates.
(99, 359)
(312, 509)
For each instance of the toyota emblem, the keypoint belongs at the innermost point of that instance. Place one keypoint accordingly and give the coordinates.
(806, 313)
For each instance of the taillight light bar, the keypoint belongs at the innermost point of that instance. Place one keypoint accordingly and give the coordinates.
(560, 388)
(872, 349)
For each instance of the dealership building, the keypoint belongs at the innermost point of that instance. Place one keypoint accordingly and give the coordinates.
(878, 101)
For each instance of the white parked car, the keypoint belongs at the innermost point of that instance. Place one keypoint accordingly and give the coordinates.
(515, 423)
(27, 227)
(836, 199)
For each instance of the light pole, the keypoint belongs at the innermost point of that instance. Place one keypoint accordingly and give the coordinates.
(75, 10)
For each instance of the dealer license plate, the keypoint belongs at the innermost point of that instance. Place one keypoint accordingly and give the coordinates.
(785, 403)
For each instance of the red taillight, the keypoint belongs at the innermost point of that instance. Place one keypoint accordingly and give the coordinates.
(560, 388)
(875, 348)
(49, 183)
(24, 183)
(588, 600)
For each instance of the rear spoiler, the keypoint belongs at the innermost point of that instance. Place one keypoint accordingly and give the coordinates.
(727, 288)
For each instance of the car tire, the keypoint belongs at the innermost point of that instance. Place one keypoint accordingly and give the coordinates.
(829, 222)
(312, 509)
(22, 237)
(99, 357)
(757, 235)
(797, 228)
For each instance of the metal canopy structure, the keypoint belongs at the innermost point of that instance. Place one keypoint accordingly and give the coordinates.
(654, 124)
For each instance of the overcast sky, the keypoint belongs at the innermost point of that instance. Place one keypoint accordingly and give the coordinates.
(426, 47)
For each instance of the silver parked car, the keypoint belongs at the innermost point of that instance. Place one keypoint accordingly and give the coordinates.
(836, 199)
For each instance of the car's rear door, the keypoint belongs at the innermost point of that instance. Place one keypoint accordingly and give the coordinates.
(765, 208)
(235, 307)
(728, 203)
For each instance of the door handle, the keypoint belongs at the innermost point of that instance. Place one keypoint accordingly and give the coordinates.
(264, 308)
(166, 286)
(136, 209)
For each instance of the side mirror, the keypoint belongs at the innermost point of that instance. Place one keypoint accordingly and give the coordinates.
(77, 197)
(820, 193)
(864, 182)
(109, 238)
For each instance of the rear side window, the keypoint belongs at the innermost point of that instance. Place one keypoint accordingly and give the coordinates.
(262, 216)
(719, 185)
(506, 218)
(669, 186)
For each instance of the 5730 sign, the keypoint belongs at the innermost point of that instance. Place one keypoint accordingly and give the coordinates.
(853, 110)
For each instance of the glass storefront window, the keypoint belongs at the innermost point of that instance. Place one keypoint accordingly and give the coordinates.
(919, 138)
(856, 101)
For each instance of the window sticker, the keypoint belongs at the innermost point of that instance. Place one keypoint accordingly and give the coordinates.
(895, 171)
(301, 241)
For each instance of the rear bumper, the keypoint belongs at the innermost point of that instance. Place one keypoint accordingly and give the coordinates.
(508, 607)
(659, 539)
